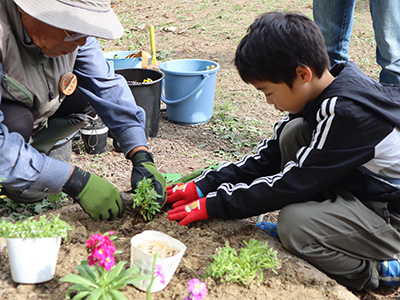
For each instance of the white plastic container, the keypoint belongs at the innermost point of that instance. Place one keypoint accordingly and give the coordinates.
(144, 261)
(33, 260)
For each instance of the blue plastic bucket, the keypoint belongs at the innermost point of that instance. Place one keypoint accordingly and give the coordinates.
(189, 87)
(119, 60)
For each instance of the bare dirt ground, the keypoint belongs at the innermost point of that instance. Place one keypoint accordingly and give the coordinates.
(202, 29)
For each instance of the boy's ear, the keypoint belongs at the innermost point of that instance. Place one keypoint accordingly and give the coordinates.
(305, 74)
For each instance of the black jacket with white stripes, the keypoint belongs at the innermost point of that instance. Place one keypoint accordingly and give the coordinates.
(355, 146)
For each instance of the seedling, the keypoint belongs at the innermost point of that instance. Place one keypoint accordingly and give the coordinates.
(229, 266)
(145, 199)
(44, 227)
(19, 211)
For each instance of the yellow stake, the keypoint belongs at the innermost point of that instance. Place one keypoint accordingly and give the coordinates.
(152, 45)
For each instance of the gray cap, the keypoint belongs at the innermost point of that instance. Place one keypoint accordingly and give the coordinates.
(90, 17)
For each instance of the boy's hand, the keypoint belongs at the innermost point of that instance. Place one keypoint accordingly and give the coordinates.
(182, 193)
(195, 211)
(98, 197)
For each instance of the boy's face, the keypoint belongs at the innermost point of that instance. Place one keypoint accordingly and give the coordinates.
(283, 97)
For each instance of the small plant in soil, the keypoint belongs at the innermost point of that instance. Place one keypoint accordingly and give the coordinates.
(20, 211)
(230, 266)
(145, 199)
(44, 227)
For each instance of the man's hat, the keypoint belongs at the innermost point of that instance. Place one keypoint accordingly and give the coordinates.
(90, 17)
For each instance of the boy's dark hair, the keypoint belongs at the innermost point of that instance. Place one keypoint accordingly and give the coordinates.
(276, 44)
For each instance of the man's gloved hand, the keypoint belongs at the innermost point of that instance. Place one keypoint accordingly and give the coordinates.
(98, 197)
(195, 211)
(182, 193)
(143, 166)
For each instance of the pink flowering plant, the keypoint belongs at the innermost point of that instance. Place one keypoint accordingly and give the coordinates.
(156, 271)
(197, 290)
(100, 277)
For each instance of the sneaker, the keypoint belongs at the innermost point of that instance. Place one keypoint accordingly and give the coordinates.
(389, 272)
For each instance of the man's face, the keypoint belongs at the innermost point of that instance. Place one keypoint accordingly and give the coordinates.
(50, 39)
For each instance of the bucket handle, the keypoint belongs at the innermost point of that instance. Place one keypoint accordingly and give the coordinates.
(191, 94)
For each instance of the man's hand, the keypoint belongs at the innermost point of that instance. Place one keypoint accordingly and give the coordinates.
(97, 196)
(143, 166)
(195, 211)
(182, 193)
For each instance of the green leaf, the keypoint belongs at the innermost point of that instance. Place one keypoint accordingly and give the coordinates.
(107, 296)
(117, 295)
(80, 295)
(95, 295)
(88, 272)
(73, 278)
(137, 279)
(116, 270)
(80, 287)
(171, 177)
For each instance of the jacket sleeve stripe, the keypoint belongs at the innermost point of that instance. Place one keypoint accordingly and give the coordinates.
(325, 118)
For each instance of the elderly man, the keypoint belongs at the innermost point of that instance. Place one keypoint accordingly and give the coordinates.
(54, 80)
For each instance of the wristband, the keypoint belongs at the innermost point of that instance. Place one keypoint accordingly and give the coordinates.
(142, 156)
(201, 195)
(76, 182)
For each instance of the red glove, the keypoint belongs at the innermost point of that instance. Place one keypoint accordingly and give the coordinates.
(195, 211)
(182, 192)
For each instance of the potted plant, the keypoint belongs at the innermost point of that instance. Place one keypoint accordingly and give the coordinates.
(33, 247)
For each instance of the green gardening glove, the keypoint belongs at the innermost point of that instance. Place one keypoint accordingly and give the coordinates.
(143, 166)
(98, 197)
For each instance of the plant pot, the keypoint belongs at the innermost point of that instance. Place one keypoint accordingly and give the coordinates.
(95, 138)
(170, 252)
(33, 260)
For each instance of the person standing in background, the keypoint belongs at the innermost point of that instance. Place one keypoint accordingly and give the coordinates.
(335, 19)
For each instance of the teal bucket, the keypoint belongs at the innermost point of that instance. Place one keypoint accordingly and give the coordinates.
(119, 61)
(189, 87)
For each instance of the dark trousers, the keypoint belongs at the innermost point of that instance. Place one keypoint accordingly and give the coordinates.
(74, 113)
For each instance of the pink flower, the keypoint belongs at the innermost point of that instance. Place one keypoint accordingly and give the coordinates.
(197, 289)
(159, 272)
(108, 263)
(101, 251)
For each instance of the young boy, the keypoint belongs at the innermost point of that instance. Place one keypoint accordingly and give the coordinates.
(332, 166)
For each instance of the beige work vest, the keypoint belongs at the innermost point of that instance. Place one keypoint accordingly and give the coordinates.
(28, 75)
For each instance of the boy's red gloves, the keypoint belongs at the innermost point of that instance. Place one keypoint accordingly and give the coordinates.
(183, 193)
(195, 211)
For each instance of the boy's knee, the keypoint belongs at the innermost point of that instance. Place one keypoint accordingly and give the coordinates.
(294, 226)
(296, 134)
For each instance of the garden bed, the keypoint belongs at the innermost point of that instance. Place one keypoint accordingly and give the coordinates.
(202, 29)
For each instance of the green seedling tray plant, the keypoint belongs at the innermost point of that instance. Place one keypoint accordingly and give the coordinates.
(145, 199)
(44, 227)
(230, 266)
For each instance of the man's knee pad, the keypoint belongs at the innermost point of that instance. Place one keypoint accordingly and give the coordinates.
(17, 118)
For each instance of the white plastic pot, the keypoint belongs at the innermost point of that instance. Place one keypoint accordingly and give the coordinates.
(144, 261)
(33, 260)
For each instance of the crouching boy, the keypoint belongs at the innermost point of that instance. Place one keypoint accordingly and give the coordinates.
(332, 167)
